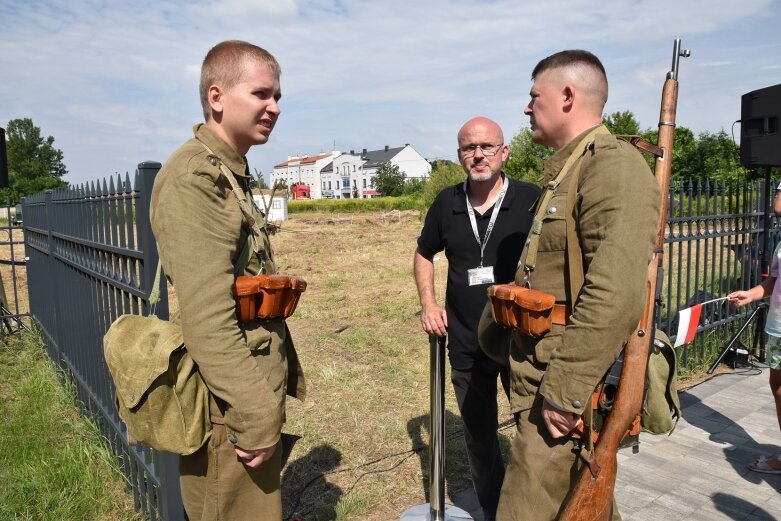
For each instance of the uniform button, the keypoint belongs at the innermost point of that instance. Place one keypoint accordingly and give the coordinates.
(528, 242)
(213, 161)
(576, 404)
(552, 209)
(232, 438)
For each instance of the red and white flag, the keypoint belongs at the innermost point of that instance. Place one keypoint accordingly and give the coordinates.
(689, 321)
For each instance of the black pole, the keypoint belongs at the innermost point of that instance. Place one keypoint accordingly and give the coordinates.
(3, 161)
(761, 309)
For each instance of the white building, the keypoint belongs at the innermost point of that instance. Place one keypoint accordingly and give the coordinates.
(349, 175)
(303, 169)
(276, 207)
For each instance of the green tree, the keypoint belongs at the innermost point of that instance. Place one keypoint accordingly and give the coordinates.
(414, 186)
(527, 158)
(718, 157)
(622, 123)
(684, 153)
(34, 164)
(443, 174)
(389, 179)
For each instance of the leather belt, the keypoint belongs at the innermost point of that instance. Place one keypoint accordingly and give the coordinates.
(560, 314)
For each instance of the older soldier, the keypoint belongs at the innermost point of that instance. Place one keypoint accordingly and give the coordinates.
(613, 215)
(481, 224)
(205, 239)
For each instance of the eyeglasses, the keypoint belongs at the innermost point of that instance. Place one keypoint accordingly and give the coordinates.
(487, 150)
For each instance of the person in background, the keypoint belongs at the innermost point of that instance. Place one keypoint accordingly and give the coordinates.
(481, 224)
(770, 287)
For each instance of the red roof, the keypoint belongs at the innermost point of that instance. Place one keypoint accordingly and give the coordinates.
(303, 161)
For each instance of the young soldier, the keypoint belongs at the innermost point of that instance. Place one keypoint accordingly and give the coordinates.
(615, 211)
(481, 224)
(205, 239)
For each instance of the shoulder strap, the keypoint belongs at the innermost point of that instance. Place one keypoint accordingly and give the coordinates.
(241, 198)
(574, 252)
(529, 255)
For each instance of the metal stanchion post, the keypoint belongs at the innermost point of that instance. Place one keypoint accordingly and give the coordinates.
(436, 510)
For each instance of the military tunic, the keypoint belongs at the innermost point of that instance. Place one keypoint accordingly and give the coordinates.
(248, 367)
(616, 212)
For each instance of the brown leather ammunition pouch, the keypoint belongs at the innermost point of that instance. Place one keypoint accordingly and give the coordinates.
(279, 295)
(245, 293)
(266, 296)
(529, 311)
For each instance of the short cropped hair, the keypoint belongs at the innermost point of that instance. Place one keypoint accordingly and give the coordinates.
(580, 64)
(224, 65)
(566, 59)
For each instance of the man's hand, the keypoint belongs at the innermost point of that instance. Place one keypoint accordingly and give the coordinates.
(254, 458)
(432, 317)
(558, 422)
(434, 320)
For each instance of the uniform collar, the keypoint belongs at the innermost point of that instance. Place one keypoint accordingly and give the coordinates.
(236, 163)
(459, 197)
(554, 165)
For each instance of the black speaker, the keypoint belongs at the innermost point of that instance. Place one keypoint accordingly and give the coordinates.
(3, 161)
(760, 139)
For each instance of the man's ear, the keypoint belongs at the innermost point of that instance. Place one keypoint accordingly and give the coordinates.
(214, 96)
(567, 97)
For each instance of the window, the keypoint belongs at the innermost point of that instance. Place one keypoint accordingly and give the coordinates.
(276, 205)
(346, 182)
(353, 168)
(364, 183)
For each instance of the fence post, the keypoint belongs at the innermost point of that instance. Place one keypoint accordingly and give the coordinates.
(166, 464)
(51, 270)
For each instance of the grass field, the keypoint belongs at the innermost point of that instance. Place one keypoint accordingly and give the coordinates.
(53, 463)
(358, 334)
(362, 434)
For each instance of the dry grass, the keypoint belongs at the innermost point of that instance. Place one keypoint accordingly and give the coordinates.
(8, 271)
(358, 334)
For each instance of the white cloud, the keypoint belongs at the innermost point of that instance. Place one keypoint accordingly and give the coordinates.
(117, 84)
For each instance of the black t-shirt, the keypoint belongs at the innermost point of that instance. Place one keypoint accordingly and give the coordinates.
(447, 228)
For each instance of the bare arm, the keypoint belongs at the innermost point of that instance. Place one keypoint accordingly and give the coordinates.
(758, 292)
(777, 202)
(432, 317)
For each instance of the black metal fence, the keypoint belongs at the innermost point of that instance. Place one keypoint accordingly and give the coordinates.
(714, 246)
(13, 310)
(92, 257)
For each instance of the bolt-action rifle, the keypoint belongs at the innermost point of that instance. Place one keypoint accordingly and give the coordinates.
(591, 498)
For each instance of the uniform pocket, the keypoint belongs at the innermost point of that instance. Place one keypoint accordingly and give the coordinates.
(554, 225)
(545, 347)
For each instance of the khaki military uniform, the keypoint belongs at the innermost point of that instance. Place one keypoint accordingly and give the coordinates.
(616, 212)
(250, 367)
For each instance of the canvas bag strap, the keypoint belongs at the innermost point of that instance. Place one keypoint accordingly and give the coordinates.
(154, 295)
(529, 255)
(241, 198)
(574, 252)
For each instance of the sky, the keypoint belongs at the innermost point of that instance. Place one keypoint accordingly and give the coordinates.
(116, 83)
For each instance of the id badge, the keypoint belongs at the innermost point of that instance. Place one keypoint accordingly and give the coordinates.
(484, 275)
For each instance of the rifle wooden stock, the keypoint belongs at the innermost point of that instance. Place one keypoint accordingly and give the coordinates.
(591, 499)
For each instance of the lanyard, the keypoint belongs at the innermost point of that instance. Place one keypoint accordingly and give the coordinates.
(494, 214)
